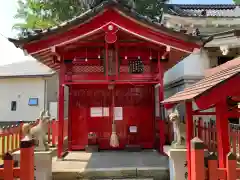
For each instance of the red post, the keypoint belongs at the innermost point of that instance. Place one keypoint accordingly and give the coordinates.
(209, 135)
(200, 127)
(70, 104)
(20, 130)
(205, 133)
(8, 137)
(8, 167)
(161, 97)
(3, 142)
(61, 110)
(17, 136)
(212, 167)
(116, 57)
(12, 139)
(231, 166)
(27, 160)
(189, 125)
(197, 160)
(222, 133)
(106, 60)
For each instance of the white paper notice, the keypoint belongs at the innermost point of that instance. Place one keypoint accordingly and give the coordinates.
(105, 111)
(96, 111)
(133, 129)
(118, 113)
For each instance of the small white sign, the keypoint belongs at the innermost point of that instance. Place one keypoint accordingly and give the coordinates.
(133, 129)
(118, 113)
(96, 112)
(105, 112)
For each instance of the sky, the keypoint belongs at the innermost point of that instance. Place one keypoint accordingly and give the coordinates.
(10, 54)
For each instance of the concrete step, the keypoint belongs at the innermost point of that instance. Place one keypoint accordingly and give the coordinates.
(114, 173)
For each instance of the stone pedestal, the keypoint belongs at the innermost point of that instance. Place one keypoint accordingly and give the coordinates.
(177, 162)
(42, 162)
(178, 166)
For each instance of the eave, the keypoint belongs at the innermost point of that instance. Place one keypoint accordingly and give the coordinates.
(96, 11)
(94, 21)
(231, 39)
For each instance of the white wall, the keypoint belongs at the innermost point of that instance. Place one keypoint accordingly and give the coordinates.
(196, 64)
(20, 90)
(193, 65)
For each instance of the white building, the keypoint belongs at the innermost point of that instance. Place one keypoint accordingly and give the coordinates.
(26, 88)
(203, 21)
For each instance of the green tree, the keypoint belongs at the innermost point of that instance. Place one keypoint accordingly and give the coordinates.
(236, 2)
(150, 8)
(42, 14)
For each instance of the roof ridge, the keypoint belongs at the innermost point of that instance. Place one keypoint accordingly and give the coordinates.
(225, 66)
(206, 5)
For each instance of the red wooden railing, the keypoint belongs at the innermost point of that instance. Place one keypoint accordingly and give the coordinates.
(10, 136)
(206, 131)
(206, 168)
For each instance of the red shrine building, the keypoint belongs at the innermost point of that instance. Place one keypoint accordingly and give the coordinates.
(112, 60)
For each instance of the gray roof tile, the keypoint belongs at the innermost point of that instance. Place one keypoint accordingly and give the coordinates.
(25, 68)
(202, 10)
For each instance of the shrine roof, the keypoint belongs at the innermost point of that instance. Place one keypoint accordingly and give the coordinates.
(227, 38)
(214, 78)
(203, 10)
(93, 11)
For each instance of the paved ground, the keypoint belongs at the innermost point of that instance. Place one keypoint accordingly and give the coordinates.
(110, 165)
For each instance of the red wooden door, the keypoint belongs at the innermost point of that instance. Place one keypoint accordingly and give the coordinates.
(137, 110)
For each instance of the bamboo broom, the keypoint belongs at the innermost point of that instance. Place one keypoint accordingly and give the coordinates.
(114, 141)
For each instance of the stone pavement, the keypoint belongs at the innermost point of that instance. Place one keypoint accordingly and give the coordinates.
(111, 165)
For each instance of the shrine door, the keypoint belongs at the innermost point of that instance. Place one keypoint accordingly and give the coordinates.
(134, 106)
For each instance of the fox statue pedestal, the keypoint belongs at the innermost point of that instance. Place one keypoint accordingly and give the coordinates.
(42, 154)
(178, 165)
(177, 162)
(42, 163)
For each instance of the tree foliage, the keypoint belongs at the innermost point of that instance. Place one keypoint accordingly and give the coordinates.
(236, 2)
(42, 14)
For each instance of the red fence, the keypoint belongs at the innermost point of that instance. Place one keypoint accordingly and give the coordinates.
(207, 167)
(206, 131)
(10, 137)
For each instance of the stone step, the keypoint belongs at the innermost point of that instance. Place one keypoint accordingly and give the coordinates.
(114, 173)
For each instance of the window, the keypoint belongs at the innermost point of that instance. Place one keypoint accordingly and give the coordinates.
(13, 105)
(33, 101)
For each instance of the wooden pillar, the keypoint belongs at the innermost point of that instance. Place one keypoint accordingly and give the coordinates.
(111, 110)
(161, 97)
(222, 133)
(69, 117)
(27, 160)
(116, 57)
(61, 110)
(197, 160)
(106, 60)
(189, 133)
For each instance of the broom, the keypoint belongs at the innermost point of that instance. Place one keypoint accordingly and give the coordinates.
(114, 142)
